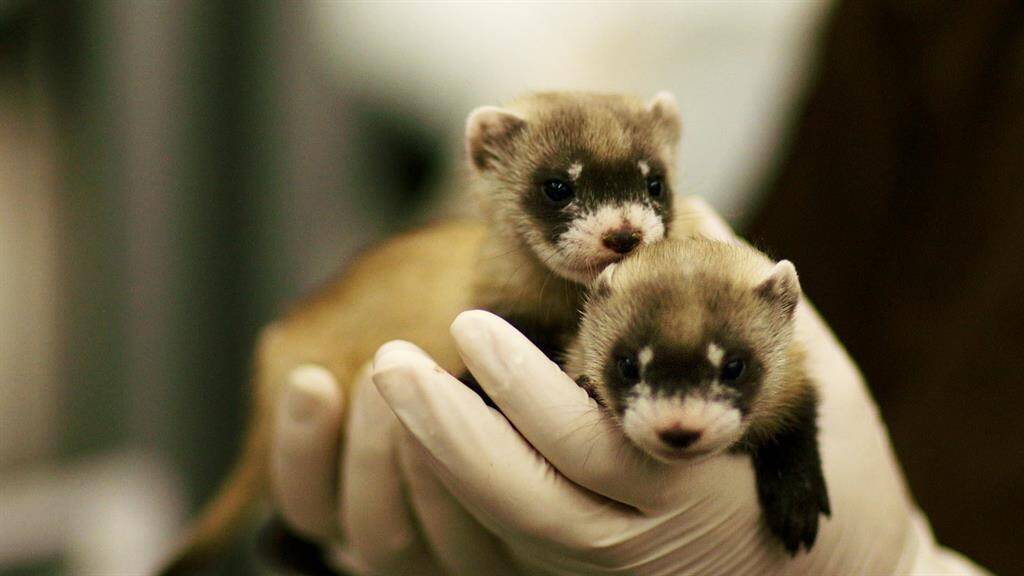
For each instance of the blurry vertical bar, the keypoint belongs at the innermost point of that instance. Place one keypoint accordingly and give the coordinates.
(92, 221)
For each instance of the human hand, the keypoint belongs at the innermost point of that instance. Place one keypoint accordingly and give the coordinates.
(565, 493)
(355, 502)
(349, 501)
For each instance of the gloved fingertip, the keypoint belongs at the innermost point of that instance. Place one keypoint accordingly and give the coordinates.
(396, 379)
(472, 324)
(311, 390)
(392, 352)
(481, 331)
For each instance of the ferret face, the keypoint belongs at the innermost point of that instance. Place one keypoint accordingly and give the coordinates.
(683, 343)
(582, 179)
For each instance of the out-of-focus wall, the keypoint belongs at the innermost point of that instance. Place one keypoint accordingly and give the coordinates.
(29, 233)
(735, 67)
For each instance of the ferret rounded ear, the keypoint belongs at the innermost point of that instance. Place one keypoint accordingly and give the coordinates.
(490, 132)
(782, 287)
(602, 285)
(666, 114)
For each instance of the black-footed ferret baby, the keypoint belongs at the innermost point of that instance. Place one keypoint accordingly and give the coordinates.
(689, 345)
(568, 183)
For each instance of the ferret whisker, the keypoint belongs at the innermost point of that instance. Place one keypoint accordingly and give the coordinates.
(511, 277)
(590, 451)
(540, 294)
(501, 255)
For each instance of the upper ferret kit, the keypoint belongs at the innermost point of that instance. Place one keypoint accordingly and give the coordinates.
(568, 182)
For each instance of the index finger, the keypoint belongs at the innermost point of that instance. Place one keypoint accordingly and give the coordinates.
(484, 462)
(557, 416)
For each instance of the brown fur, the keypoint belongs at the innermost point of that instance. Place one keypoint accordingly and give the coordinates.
(791, 388)
(412, 287)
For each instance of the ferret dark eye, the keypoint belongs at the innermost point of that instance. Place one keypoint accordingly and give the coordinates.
(558, 191)
(733, 370)
(655, 187)
(628, 368)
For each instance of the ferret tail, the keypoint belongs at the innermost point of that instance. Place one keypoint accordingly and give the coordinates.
(223, 518)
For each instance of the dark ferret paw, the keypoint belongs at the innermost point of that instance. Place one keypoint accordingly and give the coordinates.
(791, 510)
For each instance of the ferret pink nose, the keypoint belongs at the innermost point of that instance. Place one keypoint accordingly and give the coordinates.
(678, 437)
(623, 240)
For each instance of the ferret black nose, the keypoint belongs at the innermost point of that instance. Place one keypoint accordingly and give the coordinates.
(623, 240)
(678, 437)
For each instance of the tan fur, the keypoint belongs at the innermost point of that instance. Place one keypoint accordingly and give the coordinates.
(791, 385)
(412, 287)
(409, 288)
(510, 281)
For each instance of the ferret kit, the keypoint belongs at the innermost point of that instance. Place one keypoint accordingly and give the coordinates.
(570, 182)
(689, 345)
(567, 182)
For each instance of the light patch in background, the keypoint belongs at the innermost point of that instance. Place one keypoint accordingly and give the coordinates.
(735, 68)
(117, 514)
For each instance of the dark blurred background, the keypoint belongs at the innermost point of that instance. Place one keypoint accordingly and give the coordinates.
(172, 174)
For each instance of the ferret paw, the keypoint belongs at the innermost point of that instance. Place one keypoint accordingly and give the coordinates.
(591, 390)
(791, 508)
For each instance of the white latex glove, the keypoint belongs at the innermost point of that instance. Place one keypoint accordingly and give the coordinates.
(564, 492)
(366, 525)
(368, 506)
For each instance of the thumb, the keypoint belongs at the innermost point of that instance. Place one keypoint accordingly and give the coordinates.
(304, 451)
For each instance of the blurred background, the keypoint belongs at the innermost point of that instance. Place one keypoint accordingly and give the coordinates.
(172, 174)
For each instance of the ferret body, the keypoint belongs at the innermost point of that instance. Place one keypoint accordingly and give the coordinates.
(568, 182)
(689, 345)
